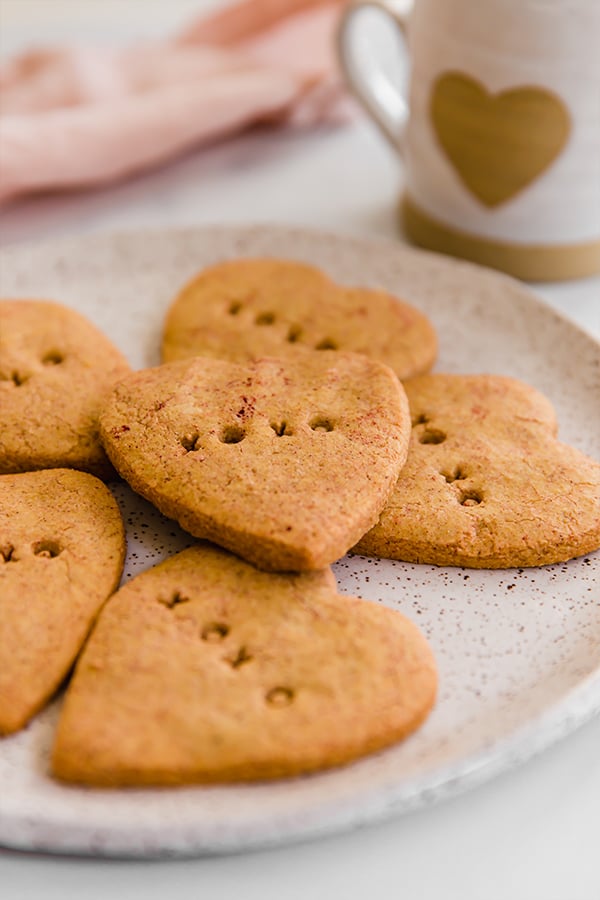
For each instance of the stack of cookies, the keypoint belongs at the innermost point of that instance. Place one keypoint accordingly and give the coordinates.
(292, 420)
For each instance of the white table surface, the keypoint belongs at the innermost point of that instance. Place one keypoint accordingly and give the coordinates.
(532, 834)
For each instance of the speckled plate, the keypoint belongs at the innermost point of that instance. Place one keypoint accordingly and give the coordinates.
(518, 650)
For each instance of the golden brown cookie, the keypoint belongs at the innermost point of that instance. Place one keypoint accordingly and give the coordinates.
(55, 368)
(204, 669)
(62, 547)
(249, 308)
(287, 463)
(486, 483)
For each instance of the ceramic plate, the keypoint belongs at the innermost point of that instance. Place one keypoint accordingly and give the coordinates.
(518, 650)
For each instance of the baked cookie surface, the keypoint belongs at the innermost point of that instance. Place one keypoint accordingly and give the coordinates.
(249, 308)
(285, 462)
(62, 547)
(486, 483)
(204, 669)
(55, 369)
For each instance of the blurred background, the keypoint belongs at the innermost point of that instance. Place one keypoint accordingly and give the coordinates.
(265, 174)
(107, 22)
(321, 166)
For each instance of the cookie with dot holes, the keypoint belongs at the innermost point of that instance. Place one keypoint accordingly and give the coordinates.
(205, 669)
(245, 309)
(285, 462)
(55, 369)
(62, 547)
(486, 483)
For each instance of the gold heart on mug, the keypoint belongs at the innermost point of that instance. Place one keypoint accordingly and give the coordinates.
(497, 143)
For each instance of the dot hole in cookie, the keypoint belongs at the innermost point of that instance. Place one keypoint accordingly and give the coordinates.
(18, 379)
(294, 334)
(6, 552)
(235, 308)
(282, 428)
(189, 441)
(265, 318)
(321, 424)
(175, 599)
(214, 632)
(53, 358)
(470, 498)
(240, 658)
(420, 419)
(232, 434)
(327, 344)
(47, 549)
(279, 696)
(432, 436)
(457, 474)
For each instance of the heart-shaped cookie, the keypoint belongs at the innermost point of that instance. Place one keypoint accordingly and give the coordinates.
(205, 670)
(245, 309)
(497, 143)
(62, 546)
(285, 462)
(55, 369)
(486, 483)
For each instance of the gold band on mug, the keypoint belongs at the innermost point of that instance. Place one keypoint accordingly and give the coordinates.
(531, 262)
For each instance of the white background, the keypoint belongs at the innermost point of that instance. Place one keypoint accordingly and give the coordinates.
(532, 834)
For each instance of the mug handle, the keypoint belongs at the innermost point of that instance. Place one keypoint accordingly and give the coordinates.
(378, 95)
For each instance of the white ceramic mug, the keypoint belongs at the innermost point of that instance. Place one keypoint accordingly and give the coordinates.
(500, 132)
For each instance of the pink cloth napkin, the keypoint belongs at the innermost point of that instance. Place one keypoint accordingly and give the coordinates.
(73, 117)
